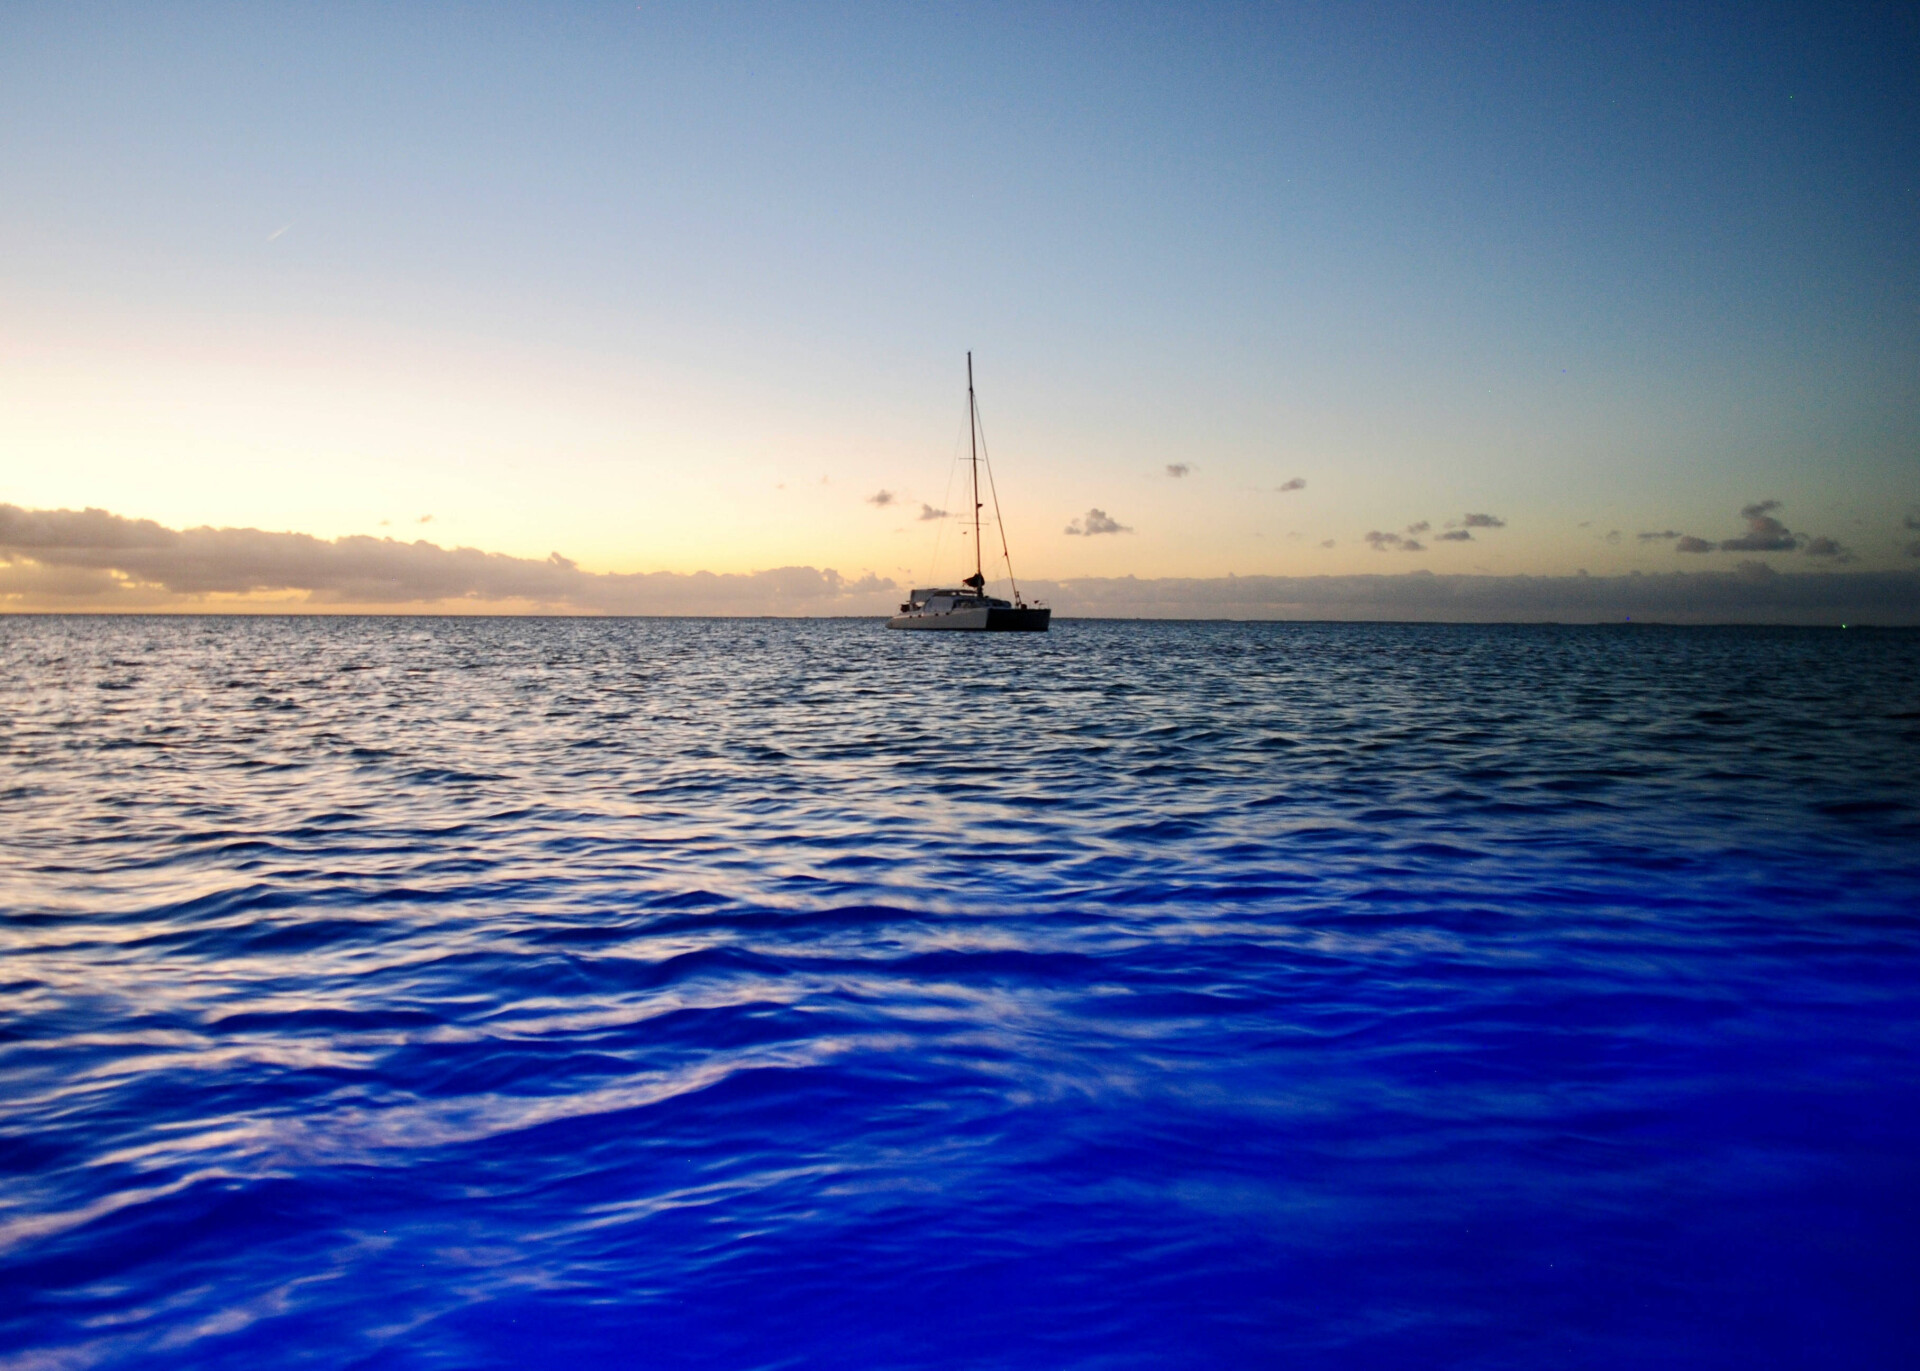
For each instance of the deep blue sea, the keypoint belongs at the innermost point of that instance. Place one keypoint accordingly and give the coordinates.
(410, 993)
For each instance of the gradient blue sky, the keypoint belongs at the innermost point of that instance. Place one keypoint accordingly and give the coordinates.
(665, 287)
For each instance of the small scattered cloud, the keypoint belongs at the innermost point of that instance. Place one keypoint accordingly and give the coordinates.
(1420, 527)
(929, 512)
(424, 519)
(1328, 542)
(1380, 542)
(1096, 521)
(1483, 521)
(277, 232)
(1913, 523)
(882, 498)
(1913, 548)
(1177, 469)
(1613, 535)
(1297, 483)
(1764, 532)
(1458, 535)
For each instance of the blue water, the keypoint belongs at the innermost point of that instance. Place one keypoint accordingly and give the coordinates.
(443, 993)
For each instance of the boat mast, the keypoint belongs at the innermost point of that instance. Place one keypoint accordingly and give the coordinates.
(973, 438)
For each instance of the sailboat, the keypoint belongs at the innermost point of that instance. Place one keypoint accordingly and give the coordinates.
(970, 609)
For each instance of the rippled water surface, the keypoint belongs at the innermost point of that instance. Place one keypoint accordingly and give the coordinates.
(409, 993)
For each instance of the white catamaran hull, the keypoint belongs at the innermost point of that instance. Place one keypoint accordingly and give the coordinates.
(995, 619)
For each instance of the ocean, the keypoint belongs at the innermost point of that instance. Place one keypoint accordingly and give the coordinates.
(406, 992)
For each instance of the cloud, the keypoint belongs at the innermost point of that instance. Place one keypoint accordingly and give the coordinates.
(1420, 527)
(1913, 548)
(1327, 543)
(929, 512)
(1764, 532)
(1664, 533)
(1484, 521)
(1096, 521)
(1380, 542)
(277, 232)
(1747, 594)
(1297, 483)
(1458, 535)
(1913, 523)
(424, 519)
(53, 559)
(1177, 469)
(1613, 536)
(882, 498)
(93, 560)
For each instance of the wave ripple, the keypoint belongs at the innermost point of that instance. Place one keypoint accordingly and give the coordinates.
(420, 993)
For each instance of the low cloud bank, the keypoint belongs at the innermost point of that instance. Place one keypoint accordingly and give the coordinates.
(92, 560)
(1750, 593)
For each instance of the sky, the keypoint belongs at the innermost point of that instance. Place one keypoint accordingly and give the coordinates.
(1253, 291)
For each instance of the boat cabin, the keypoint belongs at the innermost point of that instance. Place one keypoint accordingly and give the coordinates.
(932, 601)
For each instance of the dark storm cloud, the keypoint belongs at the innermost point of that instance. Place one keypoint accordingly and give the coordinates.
(882, 498)
(929, 512)
(1297, 483)
(1484, 521)
(50, 557)
(1177, 469)
(1458, 535)
(1096, 521)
